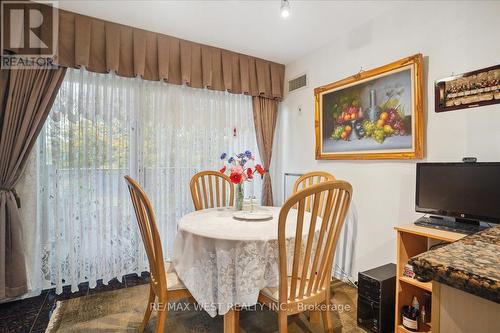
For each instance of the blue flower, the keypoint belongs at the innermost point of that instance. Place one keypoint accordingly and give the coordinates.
(248, 153)
(241, 155)
(231, 159)
(223, 156)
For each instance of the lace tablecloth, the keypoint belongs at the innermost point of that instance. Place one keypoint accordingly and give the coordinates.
(225, 262)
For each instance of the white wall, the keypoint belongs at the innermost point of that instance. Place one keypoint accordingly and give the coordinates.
(454, 37)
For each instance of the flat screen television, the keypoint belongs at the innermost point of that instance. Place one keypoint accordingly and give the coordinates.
(461, 190)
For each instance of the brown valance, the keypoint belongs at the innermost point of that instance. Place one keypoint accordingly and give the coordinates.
(102, 46)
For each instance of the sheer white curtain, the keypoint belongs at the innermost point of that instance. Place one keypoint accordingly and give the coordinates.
(103, 127)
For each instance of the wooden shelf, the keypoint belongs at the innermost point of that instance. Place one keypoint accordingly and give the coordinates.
(442, 235)
(401, 329)
(424, 285)
(413, 240)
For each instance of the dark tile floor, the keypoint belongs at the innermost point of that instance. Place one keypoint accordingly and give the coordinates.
(31, 315)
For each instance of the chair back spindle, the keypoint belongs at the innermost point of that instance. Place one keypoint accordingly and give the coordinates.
(211, 189)
(310, 179)
(314, 247)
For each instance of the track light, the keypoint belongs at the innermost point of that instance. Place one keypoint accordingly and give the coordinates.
(285, 8)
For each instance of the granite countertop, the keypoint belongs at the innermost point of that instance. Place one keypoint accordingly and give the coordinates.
(471, 264)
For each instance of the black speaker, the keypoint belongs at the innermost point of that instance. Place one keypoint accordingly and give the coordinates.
(376, 297)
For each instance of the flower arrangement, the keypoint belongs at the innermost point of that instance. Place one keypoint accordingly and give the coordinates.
(239, 171)
(237, 167)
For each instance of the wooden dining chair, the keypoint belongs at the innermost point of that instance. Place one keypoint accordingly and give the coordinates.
(309, 179)
(165, 285)
(307, 286)
(210, 189)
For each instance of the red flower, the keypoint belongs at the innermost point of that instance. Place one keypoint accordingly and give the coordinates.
(235, 177)
(249, 173)
(223, 170)
(259, 169)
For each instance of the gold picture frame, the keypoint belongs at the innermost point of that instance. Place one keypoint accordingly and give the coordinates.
(348, 127)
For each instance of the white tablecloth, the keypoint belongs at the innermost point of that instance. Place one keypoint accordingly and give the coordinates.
(225, 262)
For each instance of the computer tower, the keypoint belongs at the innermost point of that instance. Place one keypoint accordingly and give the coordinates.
(376, 298)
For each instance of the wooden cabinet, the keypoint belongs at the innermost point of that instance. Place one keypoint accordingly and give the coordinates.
(411, 241)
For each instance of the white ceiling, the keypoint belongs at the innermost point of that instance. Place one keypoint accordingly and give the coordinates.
(250, 27)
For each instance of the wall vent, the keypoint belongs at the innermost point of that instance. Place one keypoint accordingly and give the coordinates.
(297, 83)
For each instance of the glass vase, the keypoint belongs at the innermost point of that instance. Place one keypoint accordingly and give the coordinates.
(238, 204)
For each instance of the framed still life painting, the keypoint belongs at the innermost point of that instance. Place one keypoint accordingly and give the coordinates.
(375, 114)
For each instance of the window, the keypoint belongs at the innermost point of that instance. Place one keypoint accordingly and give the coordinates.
(103, 127)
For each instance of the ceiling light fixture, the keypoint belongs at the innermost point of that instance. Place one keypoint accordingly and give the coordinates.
(285, 8)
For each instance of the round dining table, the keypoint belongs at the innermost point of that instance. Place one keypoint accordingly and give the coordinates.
(225, 262)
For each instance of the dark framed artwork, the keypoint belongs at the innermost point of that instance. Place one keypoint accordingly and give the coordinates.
(375, 114)
(468, 90)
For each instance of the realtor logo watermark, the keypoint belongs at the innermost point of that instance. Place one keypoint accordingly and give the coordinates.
(29, 34)
(186, 306)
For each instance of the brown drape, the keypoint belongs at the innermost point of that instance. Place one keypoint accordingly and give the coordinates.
(26, 97)
(265, 114)
(102, 46)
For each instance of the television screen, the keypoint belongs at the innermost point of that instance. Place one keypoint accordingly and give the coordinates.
(464, 190)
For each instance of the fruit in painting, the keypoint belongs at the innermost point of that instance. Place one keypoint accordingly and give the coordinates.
(395, 120)
(342, 132)
(349, 113)
(379, 135)
(369, 127)
(337, 133)
(348, 116)
(388, 129)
